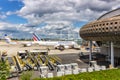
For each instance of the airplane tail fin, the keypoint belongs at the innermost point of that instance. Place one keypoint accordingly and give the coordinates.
(7, 38)
(35, 37)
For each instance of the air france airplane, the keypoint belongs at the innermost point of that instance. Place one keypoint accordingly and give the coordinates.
(56, 44)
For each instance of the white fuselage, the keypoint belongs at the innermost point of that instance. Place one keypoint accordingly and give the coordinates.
(54, 43)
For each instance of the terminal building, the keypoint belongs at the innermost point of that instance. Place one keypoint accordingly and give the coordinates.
(106, 32)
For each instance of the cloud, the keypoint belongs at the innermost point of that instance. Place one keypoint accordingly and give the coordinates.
(57, 29)
(57, 15)
(2, 15)
(17, 30)
(38, 11)
(10, 13)
(50, 30)
(8, 28)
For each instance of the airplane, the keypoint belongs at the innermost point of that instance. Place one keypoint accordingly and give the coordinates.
(56, 44)
(37, 40)
(9, 41)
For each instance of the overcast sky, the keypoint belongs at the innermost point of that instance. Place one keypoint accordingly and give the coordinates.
(19, 18)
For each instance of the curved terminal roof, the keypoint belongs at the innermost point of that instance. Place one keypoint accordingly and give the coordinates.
(112, 13)
(106, 28)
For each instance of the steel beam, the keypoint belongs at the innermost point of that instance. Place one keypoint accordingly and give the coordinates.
(90, 54)
(112, 54)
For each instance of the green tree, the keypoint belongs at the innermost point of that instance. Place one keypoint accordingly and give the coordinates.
(4, 71)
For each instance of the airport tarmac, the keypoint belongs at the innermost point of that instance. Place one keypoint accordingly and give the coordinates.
(67, 56)
(13, 49)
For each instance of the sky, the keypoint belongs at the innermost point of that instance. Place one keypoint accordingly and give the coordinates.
(50, 18)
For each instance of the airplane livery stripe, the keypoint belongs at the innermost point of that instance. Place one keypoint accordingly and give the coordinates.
(35, 38)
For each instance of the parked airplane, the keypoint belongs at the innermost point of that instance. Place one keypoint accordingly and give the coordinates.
(56, 44)
(9, 41)
(37, 40)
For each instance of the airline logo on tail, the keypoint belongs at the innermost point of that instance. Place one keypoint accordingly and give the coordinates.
(35, 37)
(7, 38)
